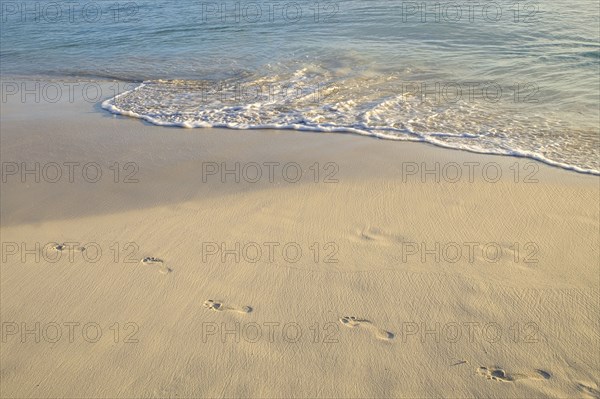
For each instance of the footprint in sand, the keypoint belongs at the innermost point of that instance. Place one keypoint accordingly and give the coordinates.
(591, 392)
(219, 307)
(499, 374)
(353, 322)
(150, 260)
(375, 234)
(63, 247)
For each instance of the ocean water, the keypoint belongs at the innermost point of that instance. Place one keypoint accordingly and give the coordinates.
(502, 77)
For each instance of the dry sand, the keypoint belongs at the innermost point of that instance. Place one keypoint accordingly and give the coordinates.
(365, 310)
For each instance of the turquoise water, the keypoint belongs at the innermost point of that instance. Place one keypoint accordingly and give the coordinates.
(498, 77)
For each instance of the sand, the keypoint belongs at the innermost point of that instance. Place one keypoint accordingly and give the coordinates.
(364, 280)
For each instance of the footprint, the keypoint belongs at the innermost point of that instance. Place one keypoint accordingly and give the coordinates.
(353, 322)
(62, 247)
(499, 374)
(59, 247)
(592, 392)
(495, 373)
(219, 307)
(375, 234)
(459, 362)
(543, 374)
(150, 260)
(371, 234)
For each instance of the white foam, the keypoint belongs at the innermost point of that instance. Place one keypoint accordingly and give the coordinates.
(371, 111)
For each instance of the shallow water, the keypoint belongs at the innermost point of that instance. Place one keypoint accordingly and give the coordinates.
(498, 77)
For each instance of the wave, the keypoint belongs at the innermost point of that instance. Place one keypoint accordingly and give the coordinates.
(383, 106)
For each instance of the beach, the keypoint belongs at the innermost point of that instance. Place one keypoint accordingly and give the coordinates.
(334, 265)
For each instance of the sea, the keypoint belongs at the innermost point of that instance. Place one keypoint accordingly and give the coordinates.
(500, 77)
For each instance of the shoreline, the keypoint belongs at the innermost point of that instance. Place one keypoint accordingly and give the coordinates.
(102, 103)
